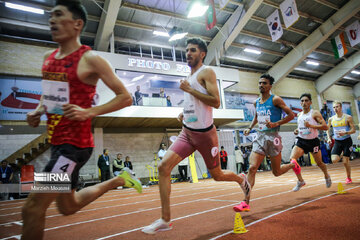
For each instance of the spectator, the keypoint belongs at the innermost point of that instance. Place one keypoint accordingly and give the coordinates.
(117, 164)
(239, 159)
(162, 93)
(162, 151)
(223, 158)
(168, 102)
(16, 177)
(104, 165)
(247, 152)
(6, 177)
(325, 112)
(183, 166)
(127, 163)
(138, 95)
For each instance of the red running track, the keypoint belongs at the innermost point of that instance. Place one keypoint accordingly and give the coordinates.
(204, 211)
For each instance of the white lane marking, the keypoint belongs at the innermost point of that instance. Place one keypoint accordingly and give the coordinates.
(274, 214)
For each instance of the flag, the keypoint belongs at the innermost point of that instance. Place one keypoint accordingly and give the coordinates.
(210, 15)
(339, 46)
(353, 33)
(274, 24)
(289, 12)
(223, 3)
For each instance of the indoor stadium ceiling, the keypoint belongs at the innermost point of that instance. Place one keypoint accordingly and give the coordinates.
(240, 25)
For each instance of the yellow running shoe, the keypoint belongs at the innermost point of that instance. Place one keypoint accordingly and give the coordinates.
(130, 180)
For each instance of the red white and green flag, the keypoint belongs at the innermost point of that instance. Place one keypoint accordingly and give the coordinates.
(210, 16)
(339, 45)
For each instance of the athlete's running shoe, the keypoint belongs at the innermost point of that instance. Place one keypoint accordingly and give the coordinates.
(130, 180)
(296, 168)
(298, 186)
(157, 226)
(328, 182)
(348, 180)
(245, 186)
(242, 207)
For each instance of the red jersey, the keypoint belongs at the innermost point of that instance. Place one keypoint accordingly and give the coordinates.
(62, 73)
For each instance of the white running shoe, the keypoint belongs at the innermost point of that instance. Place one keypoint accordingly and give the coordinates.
(298, 186)
(328, 182)
(157, 226)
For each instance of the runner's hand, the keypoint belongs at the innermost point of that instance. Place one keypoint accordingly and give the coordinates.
(296, 131)
(75, 113)
(33, 118)
(307, 124)
(271, 124)
(185, 85)
(247, 131)
(180, 117)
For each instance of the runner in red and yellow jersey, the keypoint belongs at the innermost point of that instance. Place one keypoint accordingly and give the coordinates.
(70, 74)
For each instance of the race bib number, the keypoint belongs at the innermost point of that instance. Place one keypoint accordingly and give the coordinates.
(190, 114)
(262, 120)
(56, 94)
(3, 175)
(337, 132)
(305, 131)
(64, 165)
(316, 149)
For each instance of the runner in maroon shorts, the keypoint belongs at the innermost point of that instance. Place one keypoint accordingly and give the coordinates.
(201, 95)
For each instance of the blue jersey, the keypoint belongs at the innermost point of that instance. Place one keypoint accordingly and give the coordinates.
(267, 112)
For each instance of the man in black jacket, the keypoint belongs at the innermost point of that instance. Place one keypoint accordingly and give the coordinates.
(104, 165)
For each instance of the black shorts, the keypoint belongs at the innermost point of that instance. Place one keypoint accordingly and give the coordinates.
(308, 145)
(68, 158)
(342, 146)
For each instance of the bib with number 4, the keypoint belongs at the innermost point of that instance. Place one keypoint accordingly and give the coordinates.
(64, 165)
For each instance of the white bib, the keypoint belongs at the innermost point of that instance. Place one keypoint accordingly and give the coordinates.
(56, 94)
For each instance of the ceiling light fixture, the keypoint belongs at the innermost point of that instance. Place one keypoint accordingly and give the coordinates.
(355, 72)
(176, 34)
(138, 78)
(161, 33)
(249, 50)
(197, 9)
(24, 8)
(312, 63)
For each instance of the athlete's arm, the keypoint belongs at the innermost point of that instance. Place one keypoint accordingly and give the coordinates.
(253, 123)
(33, 117)
(352, 130)
(279, 102)
(319, 119)
(212, 97)
(296, 131)
(328, 131)
(103, 70)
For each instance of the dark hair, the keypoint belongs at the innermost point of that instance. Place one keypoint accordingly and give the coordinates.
(104, 150)
(4, 161)
(308, 95)
(76, 8)
(200, 42)
(222, 146)
(268, 77)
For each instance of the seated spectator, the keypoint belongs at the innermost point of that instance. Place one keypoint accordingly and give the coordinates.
(162, 151)
(118, 164)
(127, 163)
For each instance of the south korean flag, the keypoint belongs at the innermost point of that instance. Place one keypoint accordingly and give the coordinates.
(274, 25)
